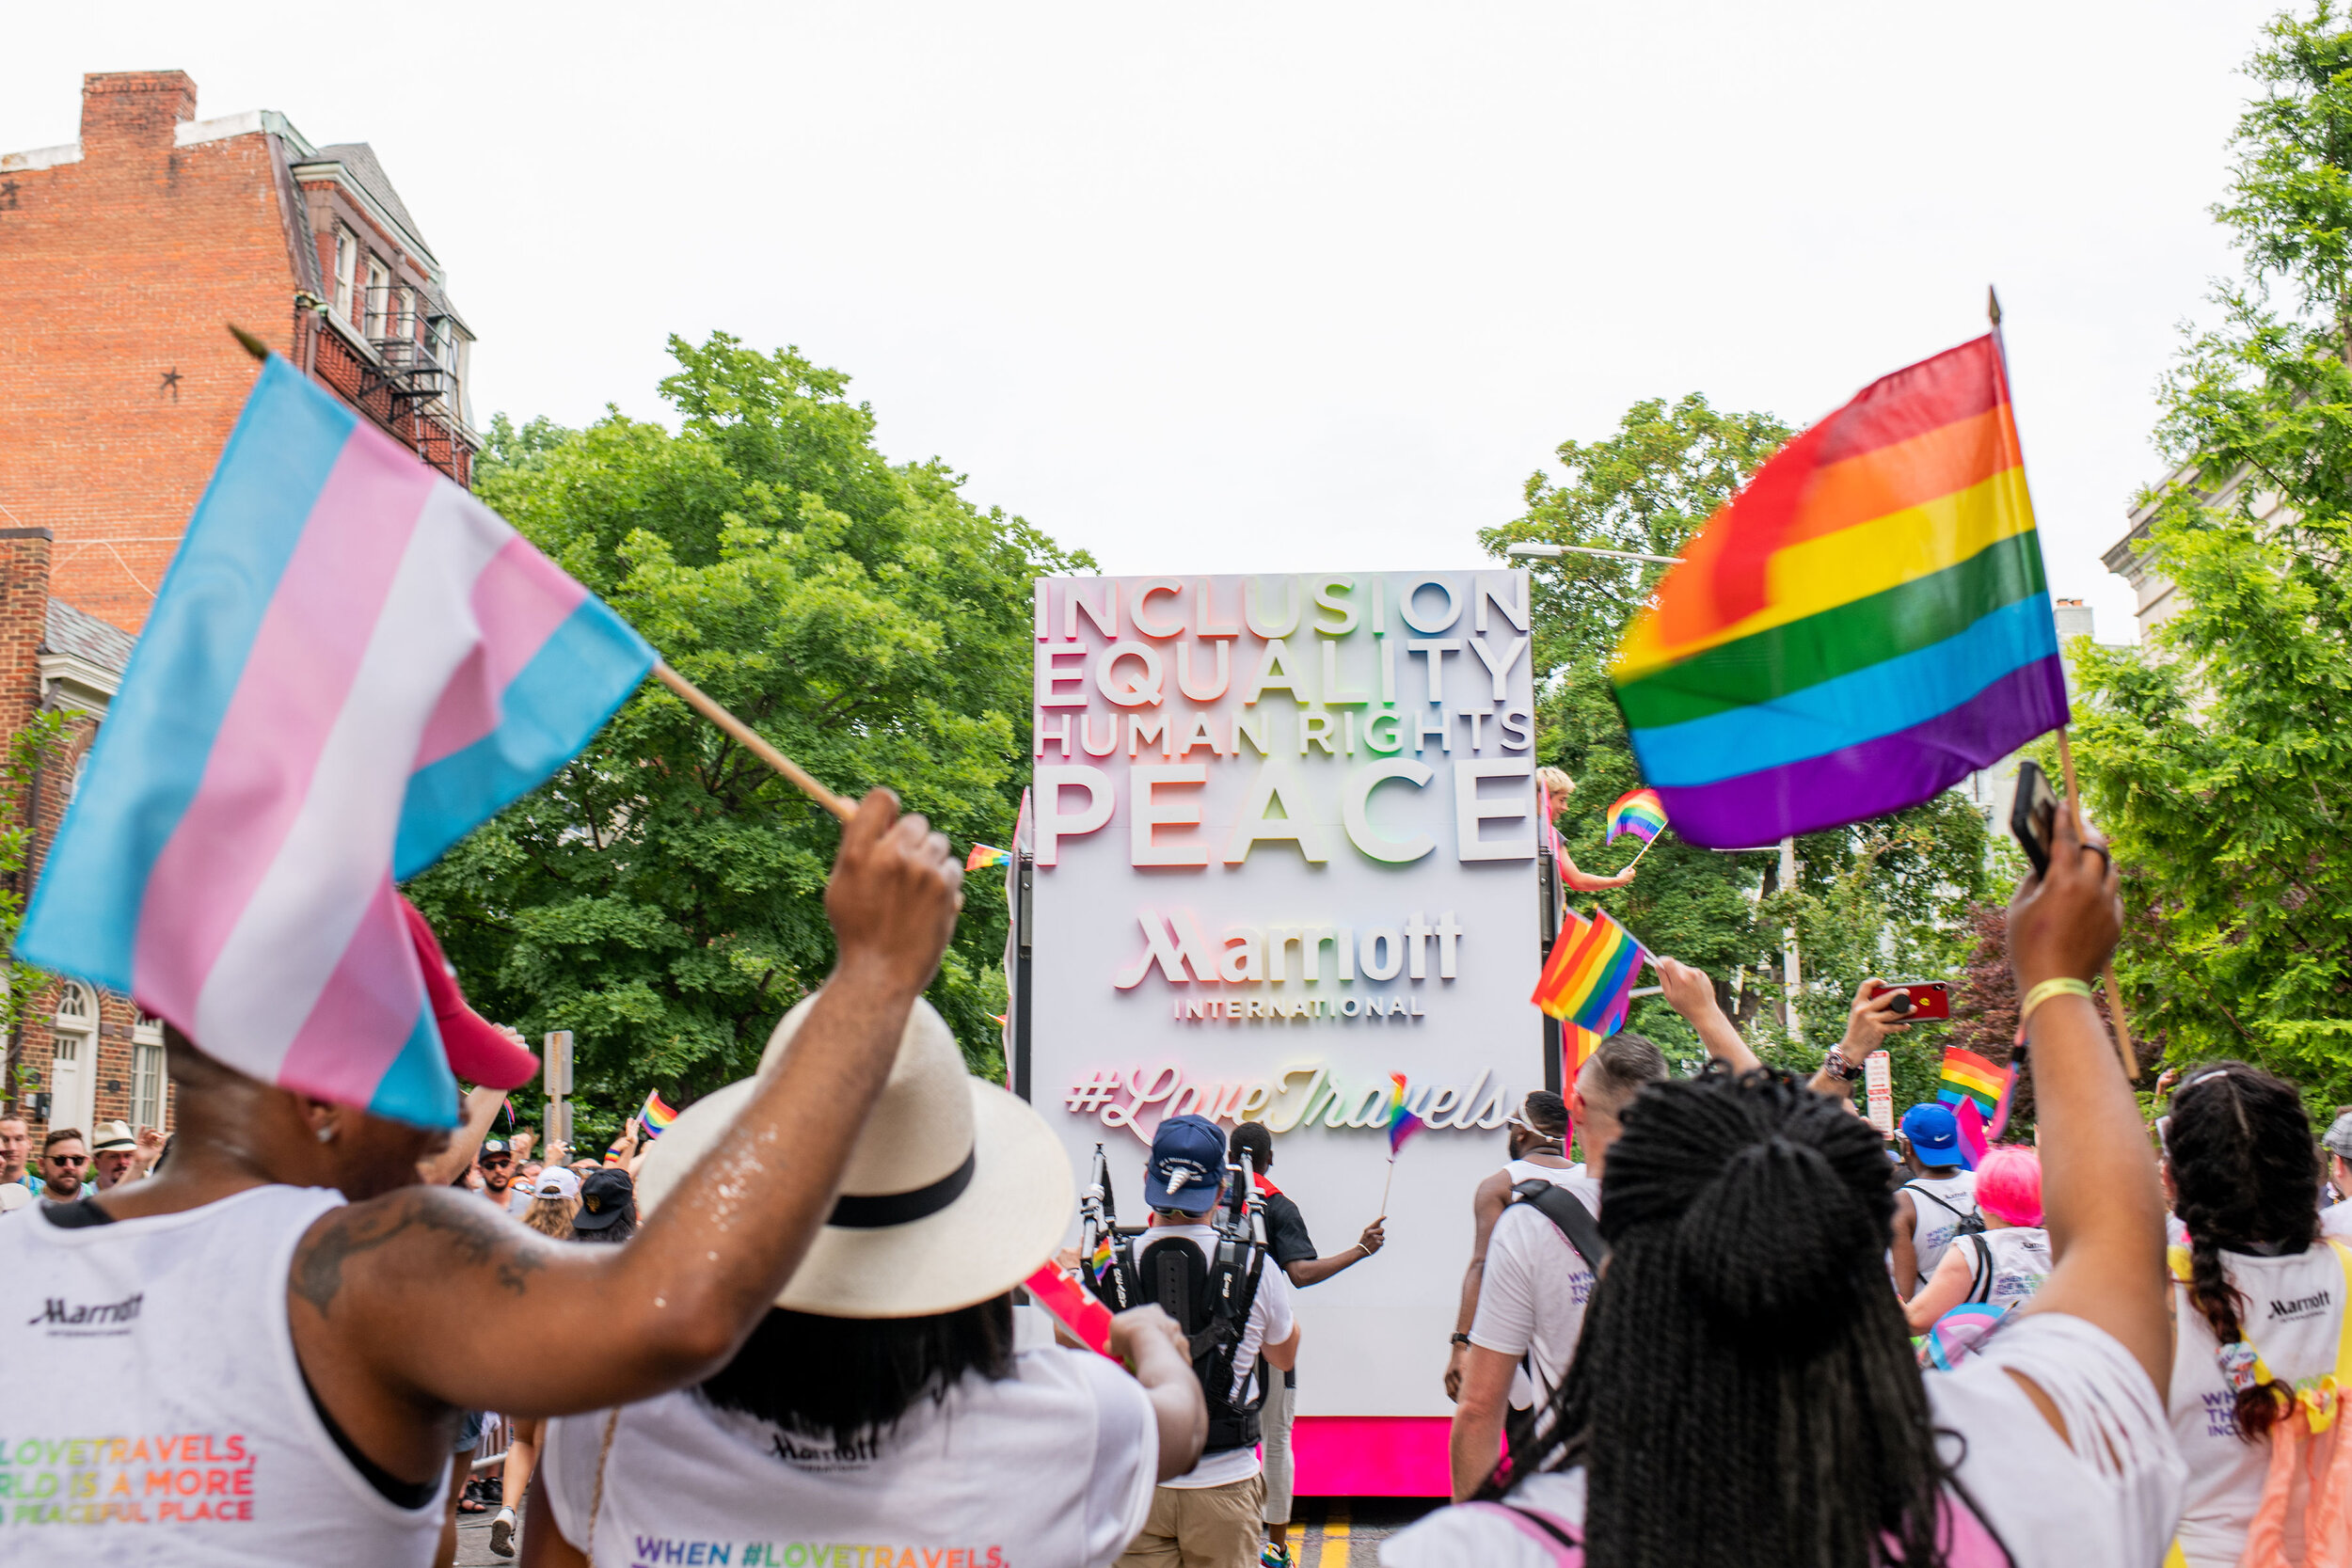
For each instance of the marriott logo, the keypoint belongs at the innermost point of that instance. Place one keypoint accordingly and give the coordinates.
(58, 1312)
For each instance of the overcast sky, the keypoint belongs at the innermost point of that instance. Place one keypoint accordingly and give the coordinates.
(1281, 287)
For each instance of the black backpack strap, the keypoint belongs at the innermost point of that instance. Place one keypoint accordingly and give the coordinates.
(1982, 1289)
(1914, 1187)
(1564, 1209)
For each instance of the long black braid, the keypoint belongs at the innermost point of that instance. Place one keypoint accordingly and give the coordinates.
(1745, 1389)
(2245, 1178)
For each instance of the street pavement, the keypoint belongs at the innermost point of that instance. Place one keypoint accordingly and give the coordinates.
(1328, 1533)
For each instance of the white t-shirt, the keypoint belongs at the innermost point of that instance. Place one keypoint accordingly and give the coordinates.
(1051, 1467)
(2021, 1261)
(2292, 1309)
(1270, 1320)
(1531, 1296)
(2336, 1220)
(2105, 1497)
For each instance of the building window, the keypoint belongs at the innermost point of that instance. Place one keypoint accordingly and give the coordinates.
(146, 1072)
(73, 1057)
(406, 329)
(379, 303)
(346, 271)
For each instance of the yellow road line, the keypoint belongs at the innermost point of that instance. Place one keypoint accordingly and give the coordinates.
(1334, 1553)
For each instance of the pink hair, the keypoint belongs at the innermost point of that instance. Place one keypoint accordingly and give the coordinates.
(2009, 1184)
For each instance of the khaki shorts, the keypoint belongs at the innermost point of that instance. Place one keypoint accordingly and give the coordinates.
(1200, 1527)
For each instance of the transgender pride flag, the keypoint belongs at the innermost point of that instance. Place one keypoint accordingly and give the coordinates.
(352, 664)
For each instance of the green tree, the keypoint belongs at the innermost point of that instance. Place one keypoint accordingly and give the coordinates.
(661, 896)
(2220, 756)
(1882, 896)
(43, 740)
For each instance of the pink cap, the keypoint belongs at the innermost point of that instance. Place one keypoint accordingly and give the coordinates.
(477, 1051)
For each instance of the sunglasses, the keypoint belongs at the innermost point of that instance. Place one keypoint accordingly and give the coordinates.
(500, 1161)
(68, 1158)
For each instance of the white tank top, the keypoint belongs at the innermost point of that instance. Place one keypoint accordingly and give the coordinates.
(1528, 1170)
(1933, 1224)
(1051, 1467)
(2020, 1256)
(157, 1413)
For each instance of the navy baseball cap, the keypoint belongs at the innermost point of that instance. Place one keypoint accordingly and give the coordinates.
(1933, 1133)
(1188, 1165)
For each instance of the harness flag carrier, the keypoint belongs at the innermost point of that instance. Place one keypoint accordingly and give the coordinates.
(1209, 1298)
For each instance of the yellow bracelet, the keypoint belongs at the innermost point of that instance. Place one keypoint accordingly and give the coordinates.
(2064, 986)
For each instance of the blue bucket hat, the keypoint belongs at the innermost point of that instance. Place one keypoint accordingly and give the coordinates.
(1188, 1165)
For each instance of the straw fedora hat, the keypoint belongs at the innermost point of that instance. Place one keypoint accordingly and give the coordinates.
(956, 1190)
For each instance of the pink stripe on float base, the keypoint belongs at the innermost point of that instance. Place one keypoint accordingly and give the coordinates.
(293, 687)
(365, 1012)
(518, 602)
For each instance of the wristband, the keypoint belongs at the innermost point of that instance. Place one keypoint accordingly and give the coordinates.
(1458, 1339)
(2063, 985)
(1836, 1065)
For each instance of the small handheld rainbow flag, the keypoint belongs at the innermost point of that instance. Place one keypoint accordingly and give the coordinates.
(1099, 1264)
(986, 855)
(656, 1117)
(1638, 811)
(1968, 1078)
(1403, 1124)
(1590, 981)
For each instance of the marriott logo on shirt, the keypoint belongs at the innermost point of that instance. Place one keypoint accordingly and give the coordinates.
(2300, 1307)
(109, 1316)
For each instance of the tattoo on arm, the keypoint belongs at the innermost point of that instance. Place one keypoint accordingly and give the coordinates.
(447, 1224)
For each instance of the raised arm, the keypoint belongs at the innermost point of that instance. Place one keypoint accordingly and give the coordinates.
(1314, 1271)
(426, 1298)
(1868, 1021)
(2100, 1191)
(1690, 993)
(481, 1109)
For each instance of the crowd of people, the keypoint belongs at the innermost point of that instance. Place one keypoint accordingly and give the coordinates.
(1729, 1333)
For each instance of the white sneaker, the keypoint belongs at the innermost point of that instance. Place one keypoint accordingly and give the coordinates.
(502, 1534)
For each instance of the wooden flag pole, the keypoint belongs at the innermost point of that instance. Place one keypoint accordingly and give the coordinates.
(1638, 854)
(695, 698)
(1385, 1185)
(2115, 993)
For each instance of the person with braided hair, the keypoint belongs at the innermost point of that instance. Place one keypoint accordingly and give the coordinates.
(1746, 1392)
(2255, 1280)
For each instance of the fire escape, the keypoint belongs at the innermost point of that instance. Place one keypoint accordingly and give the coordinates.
(408, 380)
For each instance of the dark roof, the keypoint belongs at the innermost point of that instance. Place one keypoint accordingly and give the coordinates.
(360, 159)
(85, 636)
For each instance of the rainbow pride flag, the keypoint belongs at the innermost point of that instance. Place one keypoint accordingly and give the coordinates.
(1638, 811)
(352, 664)
(1403, 1124)
(1864, 625)
(985, 855)
(656, 1116)
(1969, 1079)
(1589, 980)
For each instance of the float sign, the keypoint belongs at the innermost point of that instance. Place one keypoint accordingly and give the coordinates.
(1285, 837)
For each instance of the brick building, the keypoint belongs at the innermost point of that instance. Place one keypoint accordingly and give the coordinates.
(124, 255)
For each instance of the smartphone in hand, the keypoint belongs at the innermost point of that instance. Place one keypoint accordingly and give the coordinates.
(1918, 1001)
(2033, 815)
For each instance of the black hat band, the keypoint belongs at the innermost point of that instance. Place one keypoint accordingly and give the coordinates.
(854, 1213)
